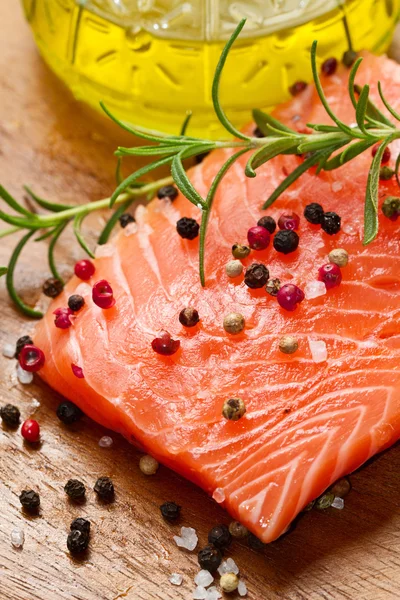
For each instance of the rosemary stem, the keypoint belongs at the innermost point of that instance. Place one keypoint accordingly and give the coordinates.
(205, 215)
(144, 191)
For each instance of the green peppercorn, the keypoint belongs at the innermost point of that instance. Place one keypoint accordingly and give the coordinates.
(349, 58)
(324, 501)
(75, 489)
(309, 506)
(385, 173)
(233, 409)
(240, 251)
(10, 415)
(104, 488)
(391, 208)
(237, 530)
(273, 286)
(30, 500)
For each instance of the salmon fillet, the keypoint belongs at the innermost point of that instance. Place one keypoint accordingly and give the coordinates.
(307, 423)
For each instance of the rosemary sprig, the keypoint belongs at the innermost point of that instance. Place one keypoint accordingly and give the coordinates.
(329, 147)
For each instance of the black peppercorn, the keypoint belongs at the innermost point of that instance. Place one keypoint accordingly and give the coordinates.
(258, 133)
(77, 542)
(254, 543)
(10, 415)
(256, 276)
(209, 558)
(52, 287)
(30, 500)
(200, 157)
(286, 241)
(75, 489)
(189, 317)
(297, 88)
(68, 412)
(104, 488)
(80, 524)
(349, 58)
(125, 219)
(220, 537)
(329, 66)
(170, 511)
(313, 213)
(187, 228)
(331, 223)
(75, 302)
(268, 223)
(168, 191)
(21, 342)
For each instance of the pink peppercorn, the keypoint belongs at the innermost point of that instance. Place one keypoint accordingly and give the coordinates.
(289, 221)
(289, 296)
(30, 431)
(385, 156)
(84, 269)
(164, 344)
(330, 274)
(31, 358)
(258, 238)
(63, 318)
(102, 294)
(77, 371)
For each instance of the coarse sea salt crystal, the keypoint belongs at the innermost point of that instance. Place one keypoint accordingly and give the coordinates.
(24, 377)
(228, 566)
(242, 589)
(318, 349)
(130, 229)
(200, 593)
(213, 593)
(337, 186)
(106, 441)
(104, 250)
(35, 404)
(188, 538)
(203, 578)
(219, 495)
(338, 503)
(17, 538)
(9, 350)
(314, 289)
(176, 579)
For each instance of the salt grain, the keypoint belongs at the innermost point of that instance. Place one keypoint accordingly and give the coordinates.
(188, 538)
(24, 377)
(9, 350)
(318, 350)
(104, 250)
(213, 593)
(219, 495)
(35, 404)
(17, 538)
(200, 593)
(176, 579)
(242, 589)
(130, 229)
(228, 566)
(338, 503)
(203, 578)
(314, 289)
(106, 441)
(337, 186)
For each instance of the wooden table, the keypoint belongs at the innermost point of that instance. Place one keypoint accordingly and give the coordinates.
(65, 152)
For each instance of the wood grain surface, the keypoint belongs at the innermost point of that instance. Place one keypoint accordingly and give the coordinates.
(65, 152)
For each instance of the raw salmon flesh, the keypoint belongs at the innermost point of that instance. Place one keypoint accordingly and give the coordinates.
(307, 422)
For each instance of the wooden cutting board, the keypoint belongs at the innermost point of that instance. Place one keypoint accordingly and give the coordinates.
(64, 152)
